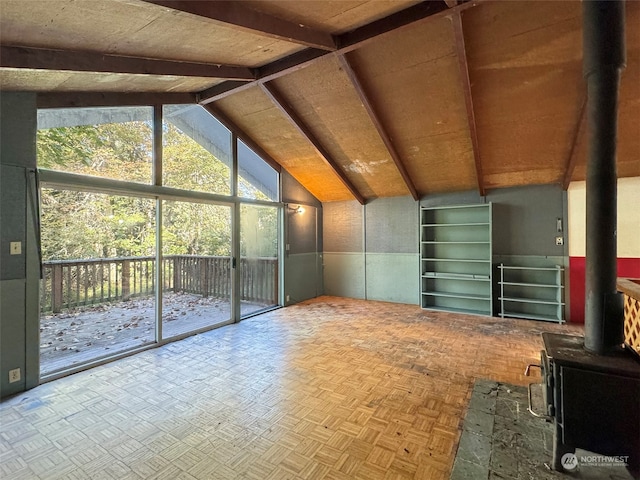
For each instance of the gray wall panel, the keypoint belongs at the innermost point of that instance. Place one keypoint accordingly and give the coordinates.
(392, 225)
(13, 228)
(393, 277)
(12, 334)
(453, 198)
(344, 275)
(301, 273)
(18, 124)
(524, 220)
(303, 233)
(19, 325)
(301, 230)
(342, 227)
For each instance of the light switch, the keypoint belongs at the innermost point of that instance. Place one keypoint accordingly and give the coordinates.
(16, 248)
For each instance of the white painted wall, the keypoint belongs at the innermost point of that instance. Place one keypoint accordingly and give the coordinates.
(628, 218)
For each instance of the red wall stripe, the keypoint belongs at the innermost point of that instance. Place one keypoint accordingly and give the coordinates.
(627, 267)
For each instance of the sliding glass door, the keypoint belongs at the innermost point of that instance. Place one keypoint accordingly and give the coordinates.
(258, 258)
(197, 266)
(141, 204)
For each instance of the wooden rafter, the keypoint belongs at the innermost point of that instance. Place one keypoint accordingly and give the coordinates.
(578, 135)
(270, 72)
(69, 60)
(346, 42)
(242, 135)
(279, 101)
(237, 15)
(358, 37)
(111, 99)
(375, 119)
(463, 66)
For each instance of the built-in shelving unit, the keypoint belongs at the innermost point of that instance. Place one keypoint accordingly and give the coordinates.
(455, 257)
(533, 293)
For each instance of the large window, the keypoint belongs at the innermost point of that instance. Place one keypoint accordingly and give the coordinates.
(196, 150)
(104, 142)
(256, 179)
(112, 279)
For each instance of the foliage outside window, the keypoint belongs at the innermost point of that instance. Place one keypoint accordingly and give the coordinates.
(112, 143)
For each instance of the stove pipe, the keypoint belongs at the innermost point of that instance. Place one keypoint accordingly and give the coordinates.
(603, 61)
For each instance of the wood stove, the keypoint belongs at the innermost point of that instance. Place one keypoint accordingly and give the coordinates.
(592, 400)
(591, 385)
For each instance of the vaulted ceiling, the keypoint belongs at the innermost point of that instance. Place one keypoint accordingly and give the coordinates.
(354, 98)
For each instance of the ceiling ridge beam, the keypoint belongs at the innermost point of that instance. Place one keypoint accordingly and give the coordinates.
(236, 15)
(463, 66)
(578, 134)
(111, 99)
(382, 131)
(242, 135)
(346, 42)
(80, 61)
(279, 101)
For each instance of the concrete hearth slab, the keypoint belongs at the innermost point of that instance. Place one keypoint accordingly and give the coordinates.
(501, 440)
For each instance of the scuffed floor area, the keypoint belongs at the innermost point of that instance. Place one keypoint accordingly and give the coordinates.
(331, 388)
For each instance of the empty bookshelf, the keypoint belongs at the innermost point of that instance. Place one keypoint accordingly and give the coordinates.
(455, 256)
(533, 293)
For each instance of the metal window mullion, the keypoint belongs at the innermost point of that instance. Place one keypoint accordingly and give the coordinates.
(235, 234)
(157, 181)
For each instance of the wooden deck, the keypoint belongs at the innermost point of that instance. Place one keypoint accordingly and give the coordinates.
(329, 389)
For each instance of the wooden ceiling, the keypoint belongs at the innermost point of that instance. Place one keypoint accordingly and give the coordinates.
(354, 98)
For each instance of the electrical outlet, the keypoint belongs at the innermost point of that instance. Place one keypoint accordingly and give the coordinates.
(14, 375)
(288, 299)
(15, 248)
(559, 240)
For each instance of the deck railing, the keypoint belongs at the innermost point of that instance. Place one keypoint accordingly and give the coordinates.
(75, 283)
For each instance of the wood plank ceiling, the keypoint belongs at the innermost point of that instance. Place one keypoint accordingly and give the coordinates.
(356, 99)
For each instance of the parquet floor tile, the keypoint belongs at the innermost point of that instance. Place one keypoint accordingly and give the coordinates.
(329, 389)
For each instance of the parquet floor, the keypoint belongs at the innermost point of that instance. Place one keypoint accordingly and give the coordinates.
(331, 389)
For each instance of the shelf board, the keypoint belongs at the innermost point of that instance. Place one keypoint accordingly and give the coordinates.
(541, 285)
(549, 269)
(530, 300)
(456, 276)
(435, 242)
(458, 310)
(528, 316)
(468, 296)
(469, 224)
(467, 260)
(454, 207)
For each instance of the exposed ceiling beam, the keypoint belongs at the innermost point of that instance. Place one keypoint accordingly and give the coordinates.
(111, 99)
(356, 38)
(269, 72)
(239, 16)
(375, 119)
(463, 66)
(578, 135)
(297, 122)
(241, 134)
(451, 3)
(69, 60)
(346, 42)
